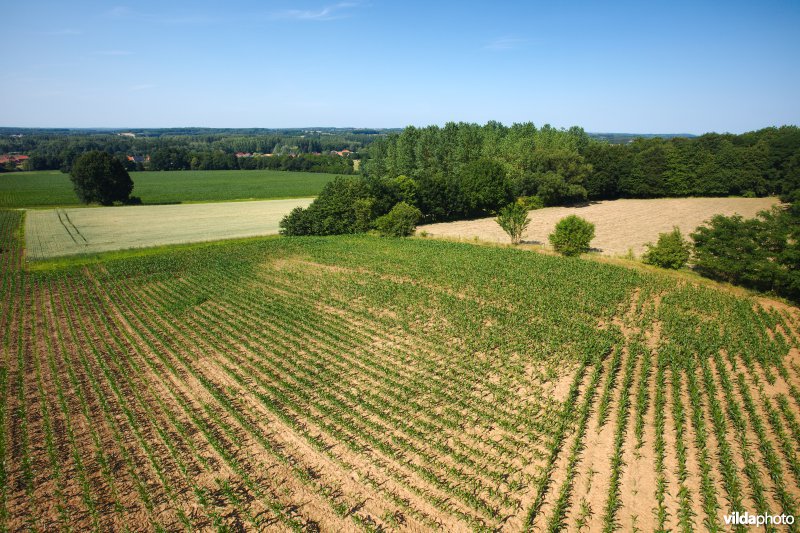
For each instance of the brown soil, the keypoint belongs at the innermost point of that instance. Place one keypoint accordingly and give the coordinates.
(592, 480)
(558, 475)
(693, 481)
(181, 402)
(282, 482)
(639, 477)
(357, 462)
(423, 447)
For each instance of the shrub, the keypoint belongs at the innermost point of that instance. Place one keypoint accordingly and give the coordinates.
(513, 218)
(399, 222)
(762, 253)
(297, 222)
(572, 236)
(671, 250)
(100, 177)
(727, 248)
(343, 206)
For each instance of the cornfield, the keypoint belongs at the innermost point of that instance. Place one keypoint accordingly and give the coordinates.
(356, 383)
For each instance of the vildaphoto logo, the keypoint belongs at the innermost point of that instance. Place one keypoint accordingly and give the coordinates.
(747, 519)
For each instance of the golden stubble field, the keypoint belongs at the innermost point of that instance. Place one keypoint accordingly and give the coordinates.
(60, 232)
(620, 225)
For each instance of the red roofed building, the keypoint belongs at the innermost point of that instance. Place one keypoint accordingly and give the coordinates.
(13, 158)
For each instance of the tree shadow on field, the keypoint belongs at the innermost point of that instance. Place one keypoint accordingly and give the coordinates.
(167, 202)
(535, 243)
(581, 205)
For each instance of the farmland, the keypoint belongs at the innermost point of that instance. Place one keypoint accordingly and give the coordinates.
(53, 188)
(60, 232)
(356, 383)
(621, 225)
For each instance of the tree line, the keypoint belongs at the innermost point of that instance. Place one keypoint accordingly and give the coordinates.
(567, 166)
(466, 170)
(177, 158)
(193, 149)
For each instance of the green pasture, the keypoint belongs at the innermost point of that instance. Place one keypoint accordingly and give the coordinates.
(51, 188)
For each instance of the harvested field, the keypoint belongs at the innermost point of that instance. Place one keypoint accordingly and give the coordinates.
(620, 225)
(357, 383)
(60, 232)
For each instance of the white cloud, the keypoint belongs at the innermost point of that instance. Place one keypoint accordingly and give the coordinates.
(332, 12)
(505, 43)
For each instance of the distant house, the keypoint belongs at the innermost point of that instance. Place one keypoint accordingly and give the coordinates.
(343, 153)
(244, 154)
(127, 134)
(16, 159)
(139, 158)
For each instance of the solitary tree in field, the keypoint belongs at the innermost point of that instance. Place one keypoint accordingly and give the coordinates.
(513, 218)
(100, 177)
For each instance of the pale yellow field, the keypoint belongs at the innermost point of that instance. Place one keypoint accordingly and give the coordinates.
(59, 232)
(620, 225)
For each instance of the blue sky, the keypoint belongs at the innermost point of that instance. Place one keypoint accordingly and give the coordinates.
(645, 66)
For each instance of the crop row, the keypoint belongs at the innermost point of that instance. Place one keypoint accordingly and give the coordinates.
(255, 344)
(336, 383)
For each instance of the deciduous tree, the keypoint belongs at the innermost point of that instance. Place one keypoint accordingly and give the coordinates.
(100, 177)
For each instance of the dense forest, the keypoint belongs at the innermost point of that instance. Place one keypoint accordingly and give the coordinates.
(568, 166)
